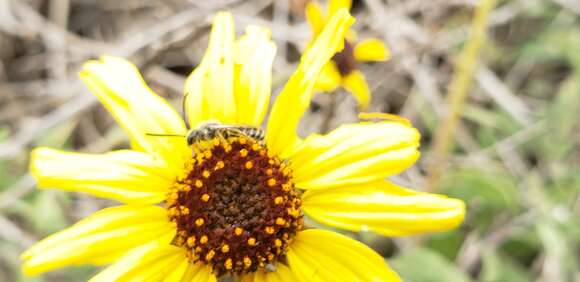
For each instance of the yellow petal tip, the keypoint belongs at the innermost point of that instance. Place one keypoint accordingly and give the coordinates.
(384, 116)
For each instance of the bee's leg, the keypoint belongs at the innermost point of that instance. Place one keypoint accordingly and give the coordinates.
(238, 133)
(222, 136)
(197, 146)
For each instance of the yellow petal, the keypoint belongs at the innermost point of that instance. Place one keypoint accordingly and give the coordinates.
(355, 154)
(329, 78)
(371, 50)
(180, 272)
(121, 89)
(210, 87)
(126, 176)
(320, 255)
(335, 5)
(254, 57)
(156, 261)
(109, 231)
(281, 274)
(384, 116)
(314, 17)
(351, 35)
(384, 208)
(296, 95)
(199, 273)
(197, 108)
(356, 84)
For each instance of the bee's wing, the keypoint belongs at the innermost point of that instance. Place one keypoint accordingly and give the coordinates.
(231, 126)
(251, 131)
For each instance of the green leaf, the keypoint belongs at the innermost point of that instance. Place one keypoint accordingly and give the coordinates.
(564, 189)
(57, 136)
(494, 123)
(542, 47)
(563, 118)
(446, 243)
(490, 188)
(425, 265)
(499, 268)
(48, 214)
(523, 245)
(559, 250)
(487, 193)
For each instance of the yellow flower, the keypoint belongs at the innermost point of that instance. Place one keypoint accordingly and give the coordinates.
(230, 203)
(342, 69)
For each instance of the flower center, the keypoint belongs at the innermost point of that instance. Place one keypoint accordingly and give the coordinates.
(236, 207)
(345, 60)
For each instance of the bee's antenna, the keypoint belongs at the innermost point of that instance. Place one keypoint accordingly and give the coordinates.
(164, 135)
(183, 112)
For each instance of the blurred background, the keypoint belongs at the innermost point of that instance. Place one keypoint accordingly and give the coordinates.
(513, 155)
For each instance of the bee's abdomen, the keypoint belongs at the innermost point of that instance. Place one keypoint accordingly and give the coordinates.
(254, 132)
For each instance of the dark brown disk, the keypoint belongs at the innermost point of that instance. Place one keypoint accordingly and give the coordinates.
(237, 208)
(345, 60)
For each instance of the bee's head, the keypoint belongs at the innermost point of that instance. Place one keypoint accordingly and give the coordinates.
(191, 136)
(200, 130)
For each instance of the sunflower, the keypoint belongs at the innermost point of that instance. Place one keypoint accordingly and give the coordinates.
(229, 204)
(342, 69)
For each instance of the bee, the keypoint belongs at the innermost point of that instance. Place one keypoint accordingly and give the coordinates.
(212, 129)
